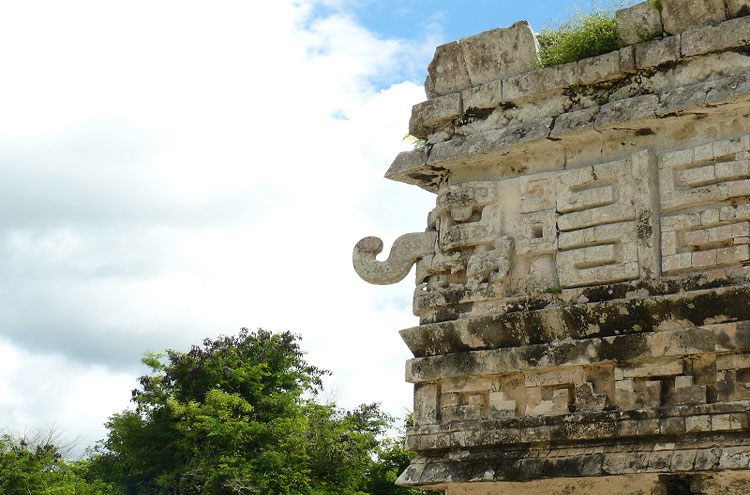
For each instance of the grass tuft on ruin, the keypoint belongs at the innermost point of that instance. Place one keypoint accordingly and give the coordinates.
(586, 33)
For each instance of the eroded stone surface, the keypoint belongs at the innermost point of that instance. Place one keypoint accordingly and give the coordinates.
(639, 23)
(500, 52)
(447, 72)
(679, 15)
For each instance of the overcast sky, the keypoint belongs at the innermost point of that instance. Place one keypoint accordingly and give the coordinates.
(171, 171)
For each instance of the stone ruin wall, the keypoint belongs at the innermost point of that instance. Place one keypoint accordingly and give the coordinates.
(583, 285)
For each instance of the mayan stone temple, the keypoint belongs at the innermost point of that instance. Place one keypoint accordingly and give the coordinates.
(583, 285)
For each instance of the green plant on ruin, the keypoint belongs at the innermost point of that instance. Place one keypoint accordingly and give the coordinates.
(584, 34)
(418, 143)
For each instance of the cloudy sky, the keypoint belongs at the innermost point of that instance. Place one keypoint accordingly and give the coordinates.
(174, 170)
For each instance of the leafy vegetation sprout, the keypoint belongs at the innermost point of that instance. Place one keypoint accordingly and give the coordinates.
(418, 143)
(586, 33)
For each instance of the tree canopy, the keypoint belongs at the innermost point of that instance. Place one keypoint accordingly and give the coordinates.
(238, 415)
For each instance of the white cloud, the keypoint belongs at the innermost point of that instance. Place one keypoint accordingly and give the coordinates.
(176, 170)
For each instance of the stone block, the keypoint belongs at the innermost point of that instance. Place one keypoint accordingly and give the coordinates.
(500, 53)
(722, 422)
(488, 95)
(697, 423)
(677, 262)
(625, 399)
(733, 255)
(732, 362)
(710, 217)
(463, 412)
(434, 112)
(560, 400)
(657, 52)
(669, 243)
(735, 458)
(683, 460)
(685, 381)
(559, 376)
(600, 68)
(587, 400)
(650, 394)
(447, 72)
(728, 87)
(659, 461)
(730, 34)
(648, 427)
(449, 399)
(679, 15)
(734, 212)
(575, 121)
(425, 403)
(501, 405)
(703, 259)
(467, 384)
(655, 368)
(624, 110)
(737, 8)
(690, 395)
(697, 176)
(733, 170)
(541, 81)
(627, 428)
(706, 459)
(407, 161)
(627, 59)
(639, 23)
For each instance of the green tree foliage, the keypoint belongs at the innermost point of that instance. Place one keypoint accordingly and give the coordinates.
(39, 469)
(237, 415)
(392, 460)
(585, 34)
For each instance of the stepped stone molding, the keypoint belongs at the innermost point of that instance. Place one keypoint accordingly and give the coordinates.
(583, 284)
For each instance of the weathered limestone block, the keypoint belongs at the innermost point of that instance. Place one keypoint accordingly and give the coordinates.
(447, 72)
(679, 15)
(434, 112)
(500, 52)
(657, 52)
(639, 23)
(730, 34)
(425, 404)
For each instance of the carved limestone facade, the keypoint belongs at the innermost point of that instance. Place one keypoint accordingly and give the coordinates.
(583, 285)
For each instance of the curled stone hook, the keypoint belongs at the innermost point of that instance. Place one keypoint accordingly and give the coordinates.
(406, 250)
